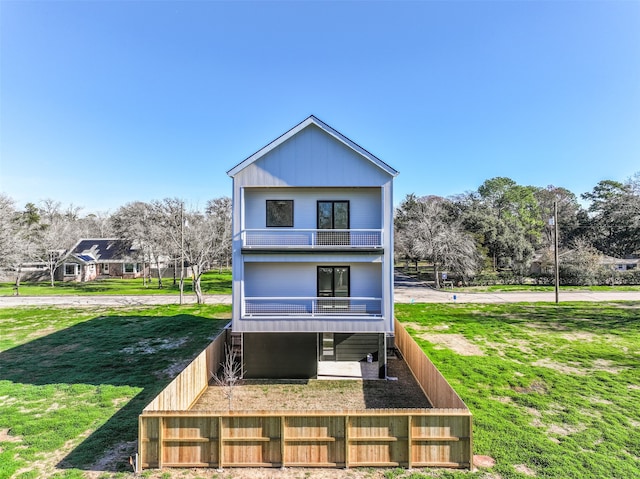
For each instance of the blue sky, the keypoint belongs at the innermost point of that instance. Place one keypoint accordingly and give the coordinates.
(106, 102)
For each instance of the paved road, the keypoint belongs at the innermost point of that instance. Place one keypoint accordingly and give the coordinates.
(408, 290)
(405, 292)
(10, 301)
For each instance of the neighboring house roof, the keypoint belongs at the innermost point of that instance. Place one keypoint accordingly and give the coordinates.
(312, 120)
(103, 250)
(613, 260)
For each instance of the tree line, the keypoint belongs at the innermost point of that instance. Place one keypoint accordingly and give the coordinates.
(495, 232)
(163, 232)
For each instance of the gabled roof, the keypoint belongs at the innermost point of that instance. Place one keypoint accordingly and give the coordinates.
(103, 249)
(312, 120)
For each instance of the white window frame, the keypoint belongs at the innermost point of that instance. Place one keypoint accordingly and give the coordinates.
(75, 269)
(134, 269)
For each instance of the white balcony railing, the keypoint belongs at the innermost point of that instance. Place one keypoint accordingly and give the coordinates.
(310, 238)
(311, 307)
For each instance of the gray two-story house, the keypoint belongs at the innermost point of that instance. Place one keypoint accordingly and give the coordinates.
(312, 254)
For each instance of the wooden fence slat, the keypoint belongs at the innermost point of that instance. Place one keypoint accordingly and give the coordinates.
(440, 437)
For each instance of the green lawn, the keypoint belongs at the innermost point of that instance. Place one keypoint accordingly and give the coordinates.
(501, 288)
(554, 390)
(73, 381)
(212, 283)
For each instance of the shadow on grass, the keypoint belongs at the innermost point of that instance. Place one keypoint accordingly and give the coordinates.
(136, 351)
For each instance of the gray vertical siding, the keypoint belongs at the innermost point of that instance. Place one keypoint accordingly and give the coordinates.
(312, 158)
(299, 279)
(365, 205)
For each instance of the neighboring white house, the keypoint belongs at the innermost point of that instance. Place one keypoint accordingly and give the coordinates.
(312, 253)
(101, 258)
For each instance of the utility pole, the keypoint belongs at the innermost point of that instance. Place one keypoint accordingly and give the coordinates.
(181, 251)
(555, 248)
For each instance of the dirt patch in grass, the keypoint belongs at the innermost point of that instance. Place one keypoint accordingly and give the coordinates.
(173, 370)
(536, 387)
(111, 459)
(607, 366)
(42, 332)
(148, 346)
(5, 436)
(483, 461)
(598, 365)
(556, 366)
(524, 469)
(564, 429)
(521, 345)
(581, 336)
(321, 395)
(47, 466)
(455, 342)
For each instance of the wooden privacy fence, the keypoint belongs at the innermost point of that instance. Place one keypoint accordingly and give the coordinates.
(438, 391)
(438, 437)
(186, 388)
(382, 437)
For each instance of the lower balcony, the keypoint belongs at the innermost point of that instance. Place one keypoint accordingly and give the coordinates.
(361, 239)
(312, 307)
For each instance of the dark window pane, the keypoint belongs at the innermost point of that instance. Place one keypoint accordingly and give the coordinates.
(325, 282)
(333, 281)
(341, 215)
(280, 213)
(341, 282)
(325, 215)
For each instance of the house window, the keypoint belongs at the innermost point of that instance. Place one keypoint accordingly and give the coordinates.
(130, 268)
(333, 215)
(70, 269)
(280, 213)
(333, 281)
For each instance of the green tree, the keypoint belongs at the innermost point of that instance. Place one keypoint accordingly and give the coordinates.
(570, 214)
(505, 219)
(615, 217)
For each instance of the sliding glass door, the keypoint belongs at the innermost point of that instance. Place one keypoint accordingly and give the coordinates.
(333, 215)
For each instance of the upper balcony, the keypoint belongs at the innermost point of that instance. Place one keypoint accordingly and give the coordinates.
(311, 307)
(364, 240)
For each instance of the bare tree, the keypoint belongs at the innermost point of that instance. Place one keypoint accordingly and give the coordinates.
(429, 233)
(219, 210)
(197, 236)
(229, 375)
(142, 224)
(55, 236)
(96, 225)
(15, 244)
